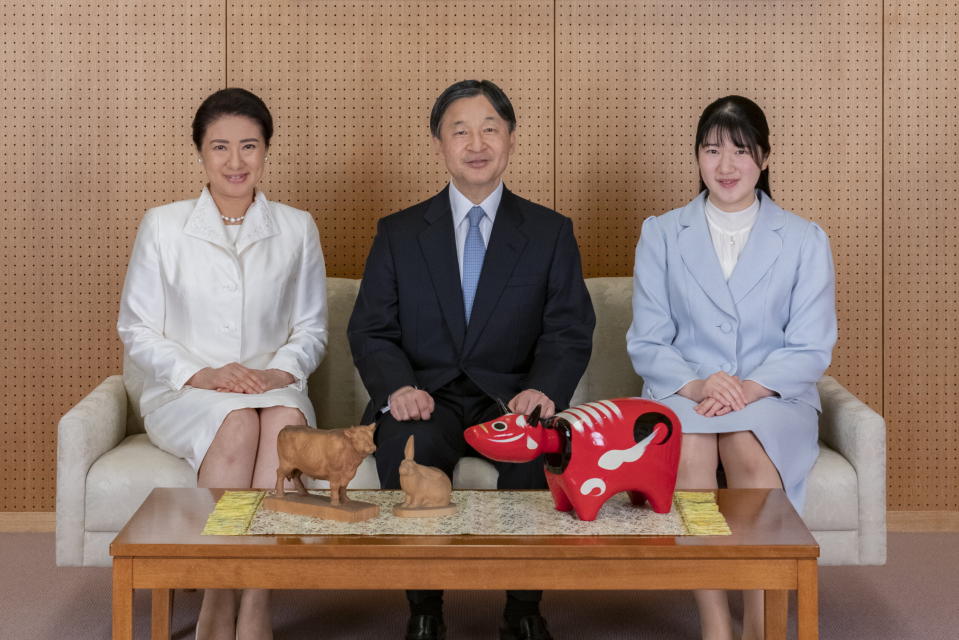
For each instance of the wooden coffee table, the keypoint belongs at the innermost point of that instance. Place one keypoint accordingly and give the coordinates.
(161, 548)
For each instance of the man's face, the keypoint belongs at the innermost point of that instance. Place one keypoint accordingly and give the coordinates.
(475, 143)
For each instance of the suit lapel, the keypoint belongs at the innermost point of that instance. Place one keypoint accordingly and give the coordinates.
(699, 255)
(761, 251)
(438, 244)
(506, 244)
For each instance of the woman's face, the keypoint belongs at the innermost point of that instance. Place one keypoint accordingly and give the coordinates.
(729, 172)
(232, 152)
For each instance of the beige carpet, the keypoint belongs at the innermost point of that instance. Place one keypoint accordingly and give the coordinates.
(915, 596)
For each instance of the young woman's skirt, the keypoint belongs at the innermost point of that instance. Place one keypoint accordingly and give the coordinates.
(787, 429)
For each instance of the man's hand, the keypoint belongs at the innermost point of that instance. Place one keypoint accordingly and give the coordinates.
(525, 401)
(410, 403)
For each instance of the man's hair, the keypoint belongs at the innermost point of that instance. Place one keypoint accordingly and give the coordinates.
(468, 89)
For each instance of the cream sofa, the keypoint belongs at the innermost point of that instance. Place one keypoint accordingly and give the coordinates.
(106, 465)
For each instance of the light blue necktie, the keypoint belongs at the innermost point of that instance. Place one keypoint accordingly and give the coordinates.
(473, 252)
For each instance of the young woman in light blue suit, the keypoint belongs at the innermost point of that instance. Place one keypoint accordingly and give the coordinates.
(734, 321)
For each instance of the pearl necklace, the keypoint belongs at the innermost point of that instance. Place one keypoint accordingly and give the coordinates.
(233, 220)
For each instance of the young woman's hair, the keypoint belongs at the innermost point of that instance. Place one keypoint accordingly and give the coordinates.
(232, 102)
(742, 122)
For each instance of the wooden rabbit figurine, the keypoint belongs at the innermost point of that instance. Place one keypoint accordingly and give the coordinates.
(427, 489)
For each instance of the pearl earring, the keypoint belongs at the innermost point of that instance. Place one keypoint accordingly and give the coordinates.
(199, 160)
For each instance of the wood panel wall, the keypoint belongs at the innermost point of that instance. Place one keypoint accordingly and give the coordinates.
(921, 253)
(97, 99)
(352, 85)
(632, 80)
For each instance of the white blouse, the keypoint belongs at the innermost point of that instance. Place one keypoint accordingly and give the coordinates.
(232, 232)
(730, 231)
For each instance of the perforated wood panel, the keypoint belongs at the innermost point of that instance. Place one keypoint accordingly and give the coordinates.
(96, 99)
(351, 85)
(922, 253)
(632, 79)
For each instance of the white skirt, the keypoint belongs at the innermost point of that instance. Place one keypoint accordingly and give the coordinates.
(187, 425)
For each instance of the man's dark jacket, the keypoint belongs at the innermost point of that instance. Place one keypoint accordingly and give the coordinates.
(532, 320)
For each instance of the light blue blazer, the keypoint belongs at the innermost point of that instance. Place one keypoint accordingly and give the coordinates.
(773, 322)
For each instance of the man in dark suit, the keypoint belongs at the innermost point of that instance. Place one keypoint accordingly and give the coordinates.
(473, 297)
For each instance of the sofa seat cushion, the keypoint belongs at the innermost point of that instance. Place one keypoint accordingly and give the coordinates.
(472, 472)
(832, 502)
(121, 479)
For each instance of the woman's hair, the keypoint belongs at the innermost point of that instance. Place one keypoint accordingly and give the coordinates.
(232, 102)
(741, 121)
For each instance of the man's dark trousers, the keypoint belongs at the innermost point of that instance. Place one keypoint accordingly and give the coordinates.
(439, 443)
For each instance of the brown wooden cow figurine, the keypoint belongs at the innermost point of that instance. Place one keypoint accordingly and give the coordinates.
(324, 454)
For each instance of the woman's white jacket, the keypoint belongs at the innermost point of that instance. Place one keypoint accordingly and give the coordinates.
(192, 299)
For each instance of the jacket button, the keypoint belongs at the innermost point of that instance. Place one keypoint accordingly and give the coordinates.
(726, 327)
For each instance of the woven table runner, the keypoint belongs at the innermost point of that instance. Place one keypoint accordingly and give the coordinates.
(487, 513)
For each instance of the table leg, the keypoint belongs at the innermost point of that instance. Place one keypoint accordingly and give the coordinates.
(776, 608)
(122, 599)
(161, 613)
(807, 598)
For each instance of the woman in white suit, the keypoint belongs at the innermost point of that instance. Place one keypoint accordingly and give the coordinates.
(224, 310)
(734, 321)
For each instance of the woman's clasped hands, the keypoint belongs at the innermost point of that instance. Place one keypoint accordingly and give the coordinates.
(722, 393)
(236, 378)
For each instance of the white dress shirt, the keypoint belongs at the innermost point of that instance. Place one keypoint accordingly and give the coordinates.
(730, 231)
(461, 206)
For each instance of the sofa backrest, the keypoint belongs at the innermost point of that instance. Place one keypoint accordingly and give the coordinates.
(336, 390)
(609, 373)
(338, 394)
(133, 382)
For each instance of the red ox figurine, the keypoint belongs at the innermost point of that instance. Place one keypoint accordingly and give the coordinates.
(593, 451)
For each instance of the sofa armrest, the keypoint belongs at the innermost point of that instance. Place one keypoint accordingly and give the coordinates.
(858, 433)
(91, 428)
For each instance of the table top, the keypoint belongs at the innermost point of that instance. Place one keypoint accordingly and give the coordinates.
(169, 524)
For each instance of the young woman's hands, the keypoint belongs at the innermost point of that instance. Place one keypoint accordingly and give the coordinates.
(722, 393)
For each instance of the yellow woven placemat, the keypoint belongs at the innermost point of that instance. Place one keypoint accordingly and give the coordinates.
(481, 513)
(233, 513)
(700, 513)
